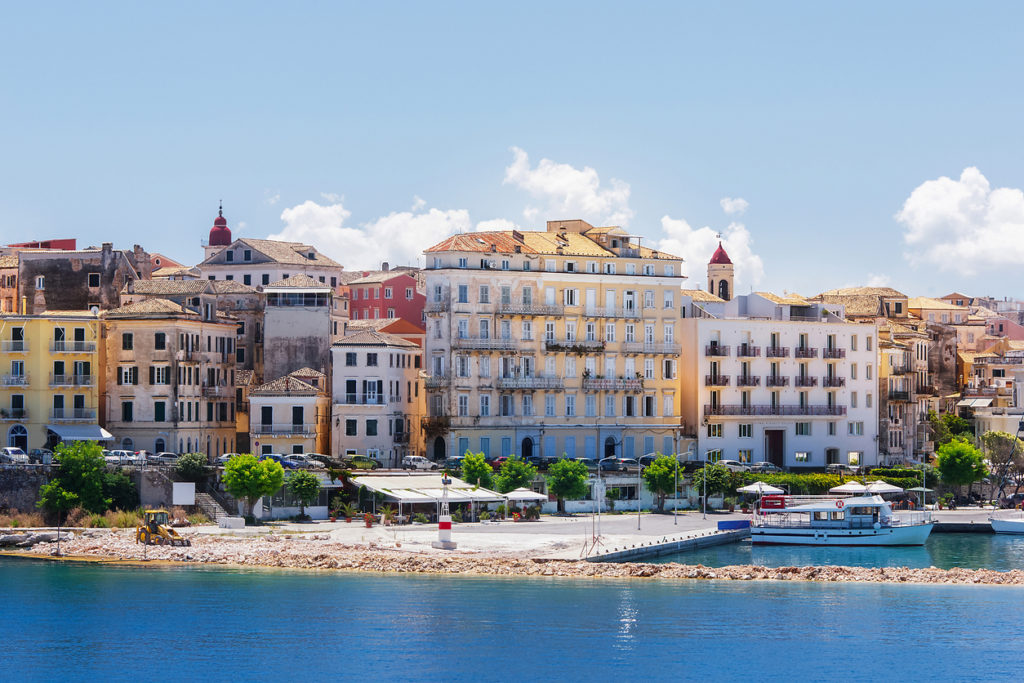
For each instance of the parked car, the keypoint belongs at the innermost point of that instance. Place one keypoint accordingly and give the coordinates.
(40, 455)
(324, 461)
(839, 468)
(452, 464)
(301, 461)
(498, 462)
(591, 463)
(363, 462)
(280, 459)
(541, 462)
(120, 457)
(162, 458)
(734, 465)
(417, 462)
(765, 467)
(14, 455)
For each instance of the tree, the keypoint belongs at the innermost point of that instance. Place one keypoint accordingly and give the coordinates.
(251, 479)
(515, 473)
(191, 466)
(960, 463)
(567, 479)
(660, 477)
(719, 480)
(121, 491)
(1006, 453)
(79, 481)
(305, 486)
(947, 427)
(477, 471)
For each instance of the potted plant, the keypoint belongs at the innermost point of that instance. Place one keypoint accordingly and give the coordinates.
(388, 514)
(368, 519)
(731, 503)
(745, 507)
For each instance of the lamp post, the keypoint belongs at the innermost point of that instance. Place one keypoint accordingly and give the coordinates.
(599, 492)
(675, 493)
(639, 469)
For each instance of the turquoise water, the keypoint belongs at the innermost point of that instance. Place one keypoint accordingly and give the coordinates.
(78, 622)
(946, 551)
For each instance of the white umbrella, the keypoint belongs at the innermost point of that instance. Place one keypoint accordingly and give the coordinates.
(760, 488)
(882, 487)
(849, 487)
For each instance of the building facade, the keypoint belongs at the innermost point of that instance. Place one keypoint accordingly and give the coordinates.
(297, 323)
(388, 294)
(289, 415)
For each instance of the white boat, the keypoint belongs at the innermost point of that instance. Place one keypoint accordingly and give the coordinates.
(857, 520)
(1011, 524)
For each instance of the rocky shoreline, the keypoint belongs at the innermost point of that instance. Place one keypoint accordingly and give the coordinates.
(318, 552)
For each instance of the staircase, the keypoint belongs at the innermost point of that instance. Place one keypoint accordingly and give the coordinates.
(210, 507)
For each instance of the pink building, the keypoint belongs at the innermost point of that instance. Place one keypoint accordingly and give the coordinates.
(387, 294)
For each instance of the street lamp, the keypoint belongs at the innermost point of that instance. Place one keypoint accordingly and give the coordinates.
(599, 492)
(639, 469)
(675, 493)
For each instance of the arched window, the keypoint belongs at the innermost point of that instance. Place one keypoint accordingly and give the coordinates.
(527, 449)
(159, 446)
(17, 437)
(439, 450)
(127, 444)
(723, 290)
(609, 447)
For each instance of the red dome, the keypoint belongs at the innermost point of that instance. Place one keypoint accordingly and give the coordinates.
(220, 233)
(719, 257)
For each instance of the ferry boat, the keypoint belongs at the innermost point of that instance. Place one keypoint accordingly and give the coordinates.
(857, 520)
(1011, 524)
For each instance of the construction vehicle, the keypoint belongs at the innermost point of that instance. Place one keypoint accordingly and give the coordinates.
(156, 530)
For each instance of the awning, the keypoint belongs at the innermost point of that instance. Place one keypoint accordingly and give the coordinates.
(424, 488)
(81, 432)
(526, 494)
(974, 403)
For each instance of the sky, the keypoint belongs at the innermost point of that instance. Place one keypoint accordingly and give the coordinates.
(830, 144)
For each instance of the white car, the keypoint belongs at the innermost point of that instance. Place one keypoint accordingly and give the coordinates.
(733, 465)
(120, 458)
(417, 462)
(163, 458)
(14, 455)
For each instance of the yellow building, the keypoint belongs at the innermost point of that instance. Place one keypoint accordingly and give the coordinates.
(49, 388)
(562, 341)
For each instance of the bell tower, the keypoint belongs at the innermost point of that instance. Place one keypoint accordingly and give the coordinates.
(720, 275)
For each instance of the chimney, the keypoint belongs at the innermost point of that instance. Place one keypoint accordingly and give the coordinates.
(385, 267)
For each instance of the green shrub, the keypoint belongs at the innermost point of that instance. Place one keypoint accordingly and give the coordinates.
(484, 514)
(191, 466)
(894, 472)
(457, 516)
(421, 518)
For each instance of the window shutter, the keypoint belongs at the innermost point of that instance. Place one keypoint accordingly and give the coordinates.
(120, 376)
(380, 388)
(135, 375)
(152, 374)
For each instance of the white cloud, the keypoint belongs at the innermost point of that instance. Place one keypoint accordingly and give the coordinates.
(732, 205)
(240, 227)
(273, 199)
(964, 225)
(878, 280)
(495, 224)
(696, 246)
(418, 202)
(399, 237)
(568, 192)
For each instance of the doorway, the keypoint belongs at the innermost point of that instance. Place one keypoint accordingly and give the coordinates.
(439, 454)
(773, 446)
(527, 450)
(609, 447)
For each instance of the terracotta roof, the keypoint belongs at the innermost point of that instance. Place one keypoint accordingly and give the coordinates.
(244, 378)
(158, 287)
(701, 296)
(502, 241)
(306, 372)
(570, 243)
(720, 257)
(9, 261)
(379, 276)
(373, 338)
(865, 291)
(346, 277)
(150, 308)
(284, 386)
(292, 253)
(927, 303)
(788, 300)
(231, 287)
(171, 271)
(854, 305)
(956, 295)
(300, 281)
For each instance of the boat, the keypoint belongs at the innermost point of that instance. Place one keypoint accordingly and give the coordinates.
(1013, 524)
(850, 521)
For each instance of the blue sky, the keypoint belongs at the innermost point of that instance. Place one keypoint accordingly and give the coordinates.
(374, 129)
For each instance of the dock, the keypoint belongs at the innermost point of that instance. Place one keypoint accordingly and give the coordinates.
(669, 546)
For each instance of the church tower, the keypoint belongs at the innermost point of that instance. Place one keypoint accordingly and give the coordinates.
(220, 235)
(720, 280)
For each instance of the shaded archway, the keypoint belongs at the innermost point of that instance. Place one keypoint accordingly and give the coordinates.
(527, 449)
(723, 290)
(159, 446)
(609, 447)
(439, 450)
(127, 444)
(17, 437)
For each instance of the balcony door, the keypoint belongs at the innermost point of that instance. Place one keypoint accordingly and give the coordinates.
(773, 446)
(267, 416)
(297, 413)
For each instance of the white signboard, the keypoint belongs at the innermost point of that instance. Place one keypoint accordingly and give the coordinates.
(184, 493)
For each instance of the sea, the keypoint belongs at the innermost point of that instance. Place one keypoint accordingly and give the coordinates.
(85, 622)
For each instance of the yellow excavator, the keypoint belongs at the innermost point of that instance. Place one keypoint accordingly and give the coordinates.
(156, 530)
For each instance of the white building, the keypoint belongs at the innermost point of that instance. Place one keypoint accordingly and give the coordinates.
(377, 397)
(288, 415)
(783, 380)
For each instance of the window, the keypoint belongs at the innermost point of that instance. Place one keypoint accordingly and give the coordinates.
(831, 428)
(247, 255)
(570, 297)
(350, 359)
(528, 405)
(745, 455)
(229, 256)
(159, 374)
(463, 405)
(159, 411)
(127, 374)
(802, 456)
(853, 399)
(715, 431)
(609, 406)
(463, 262)
(160, 341)
(127, 341)
(350, 427)
(371, 428)
(714, 455)
(371, 360)
(408, 293)
(670, 300)
(867, 343)
(387, 292)
(40, 281)
(867, 401)
(127, 411)
(485, 405)
(570, 405)
(668, 405)
(803, 428)
(463, 293)
(746, 431)
(609, 268)
(853, 457)
(507, 405)
(265, 279)
(867, 371)
(853, 371)
(94, 280)
(609, 332)
(853, 342)
(549, 405)
(648, 368)
(590, 405)
(856, 428)
(485, 294)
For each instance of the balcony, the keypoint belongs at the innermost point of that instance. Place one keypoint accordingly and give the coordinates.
(218, 391)
(574, 346)
(437, 306)
(73, 415)
(716, 380)
(73, 347)
(437, 382)
(748, 351)
(484, 344)
(613, 384)
(401, 437)
(652, 348)
(748, 380)
(365, 400)
(71, 380)
(777, 352)
(527, 309)
(776, 381)
(927, 390)
(899, 396)
(12, 414)
(799, 381)
(15, 380)
(833, 354)
(14, 346)
(716, 351)
(804, 352)
(741, 410)
(610, 312)
(284, 429)
(899, 369)
(529, 383)
(436, 425)
(833, 382)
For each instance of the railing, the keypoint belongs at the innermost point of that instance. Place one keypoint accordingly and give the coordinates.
(613, 384)
(216, 390)
(574, 346)
(799, 381)
(520, 308)
(71, 380)
(484, 344)
(610, 312)
(716, 351)
(15, 345)
(73, 347)
(927, 389)
(787, 519)
(833, 381)
(7, 414)
(899, 370)
(716, 380)
(776, 381)
(656, 348)
(437, 306)
(777, 352)
(748, 351)
(803, 352)
(437, 381)
(15, 380)
(748, 380)
(833, 353)
(401, 437)
(357, 400)
(263, 428)
(820, 410)
(538, 382)
(899, 396)
(73, 414)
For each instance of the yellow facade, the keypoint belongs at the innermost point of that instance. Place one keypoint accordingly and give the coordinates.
(49, 378)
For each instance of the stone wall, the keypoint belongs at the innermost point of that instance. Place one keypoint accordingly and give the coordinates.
(19, 487)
